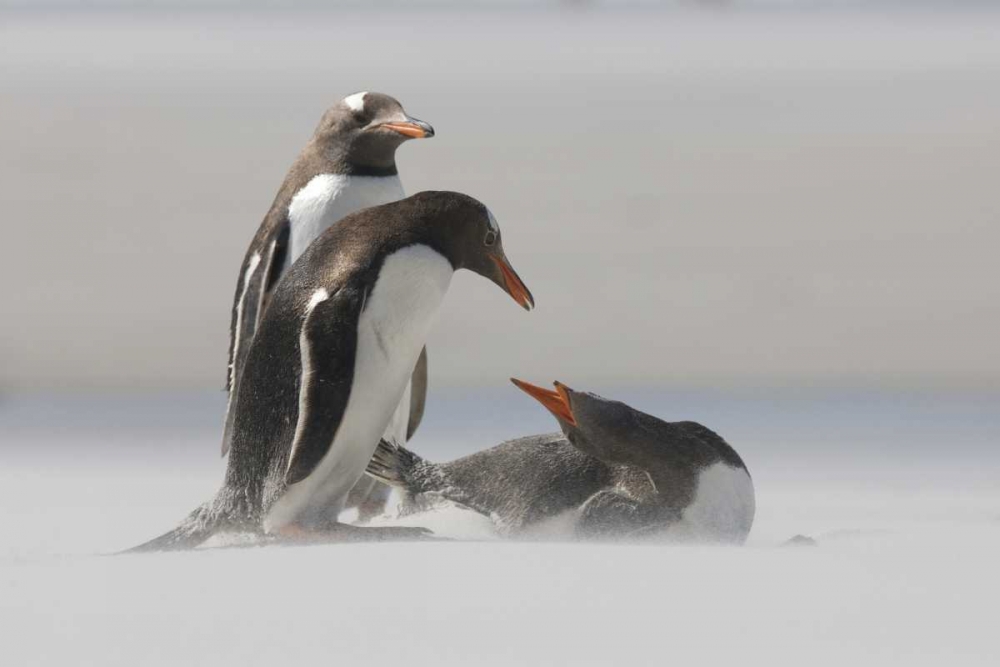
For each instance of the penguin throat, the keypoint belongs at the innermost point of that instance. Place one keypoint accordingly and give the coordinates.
(364, 160)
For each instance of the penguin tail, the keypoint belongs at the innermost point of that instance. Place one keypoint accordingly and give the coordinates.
(200, 525)
(392, 464)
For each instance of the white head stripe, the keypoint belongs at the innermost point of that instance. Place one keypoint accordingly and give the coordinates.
(356, 101)
(493, 221)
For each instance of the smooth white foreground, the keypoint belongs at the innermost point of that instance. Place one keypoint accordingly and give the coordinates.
(905, 571)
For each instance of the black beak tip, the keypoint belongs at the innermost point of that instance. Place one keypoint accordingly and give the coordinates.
(426, 127)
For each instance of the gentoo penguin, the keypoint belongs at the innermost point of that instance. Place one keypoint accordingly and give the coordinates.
(613, 472)
(332, 357)
(348, 165)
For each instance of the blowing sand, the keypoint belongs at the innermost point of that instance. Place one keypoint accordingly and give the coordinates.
(898, 490)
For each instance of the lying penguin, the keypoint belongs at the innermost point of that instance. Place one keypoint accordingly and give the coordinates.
(614, 472)
(331, 359)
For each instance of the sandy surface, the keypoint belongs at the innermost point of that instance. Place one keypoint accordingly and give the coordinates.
(899, 490)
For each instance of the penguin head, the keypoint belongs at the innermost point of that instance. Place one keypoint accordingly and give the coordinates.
(465, 232)
(595, 425)
(364, 130)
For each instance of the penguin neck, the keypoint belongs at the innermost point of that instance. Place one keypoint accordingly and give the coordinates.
(350, 161)
(348, 168)
(604, 447)
(630, 446)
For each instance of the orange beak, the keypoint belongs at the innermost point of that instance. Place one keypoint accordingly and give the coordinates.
(513, 284)
(415, 129)
(556, 402)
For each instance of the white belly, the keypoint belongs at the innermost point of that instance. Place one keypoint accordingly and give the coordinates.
(392, 330)
(723, 506)
(329, 197)
(323, 201)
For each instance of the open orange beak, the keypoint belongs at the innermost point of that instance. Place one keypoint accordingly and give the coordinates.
(513, 283)
(412, 128)
(556, 402)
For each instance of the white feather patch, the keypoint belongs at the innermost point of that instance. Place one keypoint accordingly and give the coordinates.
(356, 102)
(723, 505)
(305, 354)
(319, 296)
(327, 198)
(251, 268)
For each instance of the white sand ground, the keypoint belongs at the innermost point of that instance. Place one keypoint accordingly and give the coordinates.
(900, 490)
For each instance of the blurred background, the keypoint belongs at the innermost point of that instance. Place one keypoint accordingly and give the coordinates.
(753, 194)
(778, 217)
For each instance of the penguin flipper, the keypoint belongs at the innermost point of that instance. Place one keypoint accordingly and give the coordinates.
(609, 514)
(418, 394)
(258, 276)
(328, 347)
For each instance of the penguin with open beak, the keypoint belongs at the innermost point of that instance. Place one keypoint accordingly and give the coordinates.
(612, 472)
(331, 359)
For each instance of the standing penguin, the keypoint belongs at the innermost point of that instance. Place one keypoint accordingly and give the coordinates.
(332, 357)
(613, 472)
(348, 165)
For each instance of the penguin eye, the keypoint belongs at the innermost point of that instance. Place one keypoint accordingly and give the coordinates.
(491, 238)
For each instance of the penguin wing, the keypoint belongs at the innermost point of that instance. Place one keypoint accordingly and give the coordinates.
(328, 343)
(260, 272)
(418, 394)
